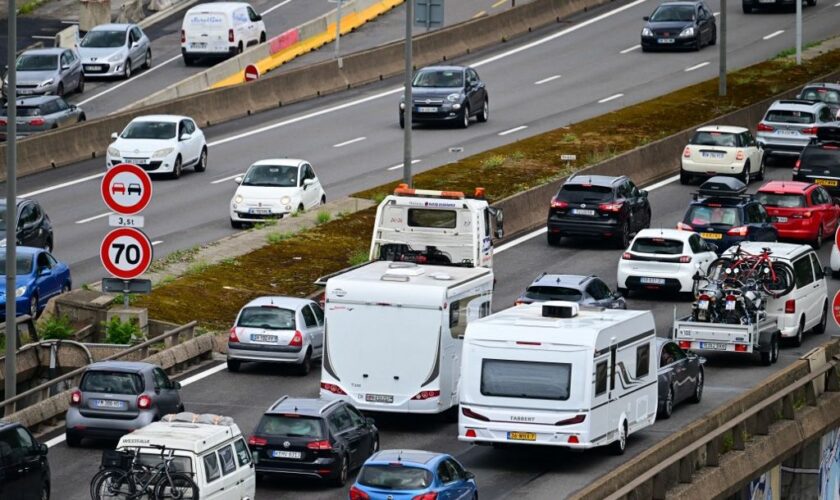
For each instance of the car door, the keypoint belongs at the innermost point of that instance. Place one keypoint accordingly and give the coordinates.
(256, 25)
(361, 427)
(677, 361)
(13, 479)
(342, 426)
(230, 479)
(168, 399)
(826, 210)
(465, 487)
(46, 282)
(74, 72)
(138, 47)
(247, 475)
(819, 292)
(446, 477)
(310, 193)
(703, 254)
(318, 332)
(27, 231)
(599, 293)
(60, 113)
(196, 139)
(804, 294)
(214, 487)
(33, 463)
(753, 152)
(311, 326)
(187, 143)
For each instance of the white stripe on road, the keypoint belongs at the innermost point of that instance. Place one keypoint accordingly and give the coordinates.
(837, 4)
(630, 49)
(351, 141)
(610, 98)
(157, 242)
(546, 80)
(395, 167)
(132, 79)
(42, 37)
(83, 221)
(773, 35)
(223, 179)
(716, 14)
(284, 2)
(62, 185)
(514, 129)
(697, 66)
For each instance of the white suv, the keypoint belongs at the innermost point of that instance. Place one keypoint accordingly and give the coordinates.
(160, 144)
(790, 124)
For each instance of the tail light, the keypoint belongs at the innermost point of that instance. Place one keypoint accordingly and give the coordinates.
(424, 395)
(37, 121)
(518, 302)
(796, 167)
(685, 259)
(764, 128)
(682, 226)
(559, 204)
(257, 441)
(432, 495)
(610, 207)
(685, 344)
(319, 445)
(627, 256)
(230, 36)
(144, 402)
(738, 231)
(2, 123)
(333, 388)
(809, 131)
(687, 152)
(730, 298)
(76, 398)
(574, 440)
(297, 340)
(470, 433)
(471, 414)
(577, 419)
(703, 296)
(740, 347)
(790, 306)
(183, 36)
(803, 215)
(739, 155)
(233, 337)
(357, 494)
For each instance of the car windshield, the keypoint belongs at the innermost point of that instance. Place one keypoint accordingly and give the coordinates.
(721, 139)
(149, 130)
(290, 426)
(430, 217)
(112, 382)
(673, 13)
(552, 293)
(439, 78)
(658, 245)
(781, 200)
(787, 116)
(395, 477)
(37, 62)
(24, 262)
(103, 39)
(701, 215)
(829, 96)
(271, 176)
(267, 317)
(578, 193)
(23, 111)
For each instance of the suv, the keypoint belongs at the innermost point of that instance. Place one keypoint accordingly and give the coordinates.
(789, 125)
(819, 162)
(118, 397)
(24, 468)
(313, 438)
(588, 290)
(598, 206)
(724, 215)
(828, 93)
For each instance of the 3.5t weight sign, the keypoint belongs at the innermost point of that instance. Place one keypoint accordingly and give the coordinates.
(126, 253)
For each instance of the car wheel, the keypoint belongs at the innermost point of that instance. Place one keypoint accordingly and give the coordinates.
(201, 165)
(625, 292)
(402, 120)
(698, 386)
(233, 365)
(648, 219)
(698, 44)
(239, 48)
(800, 332)
(746, 8)
(188, 60)
(685, 177)
(374, 447)
(745, 175)
(820, 328)
(818, 241)
(812, 3)
(554, 239)
(236, 224)
(65, 288)
(82, 118)
(73, 439)
(305, 366)
(127, 69)
(60, 90)
(45, 491)
(667, 408)
(176, 169)
(48, 245)
(620, 445)
(622, 239)
(81, 88)
(485, 111)
(323, 199)
(147, 62)
(713, 41)
(262, 37)
(342, 473)
(760, 175)
(465, 122)
(33, 306)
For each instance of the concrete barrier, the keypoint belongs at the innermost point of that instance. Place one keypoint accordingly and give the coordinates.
(68, 37)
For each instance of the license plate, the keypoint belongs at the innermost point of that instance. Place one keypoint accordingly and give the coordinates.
(716, 156)
(522, 436)
(781, 219)
(712, 346)
(730, 305)
(424, 109)
(766, 1)
(286, 454)
(261, 211)
(703, 304)
(198, 45)
(653, 281)
(666, 40)
(826, 182)
(109, 404)
(91, 67)
(379, 398)
(711, 236)
(787, 132)
(25, 91)
(263, 338)
(583, 211)
(137, 161)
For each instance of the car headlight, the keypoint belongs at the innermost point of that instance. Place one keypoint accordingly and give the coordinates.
(285, 200)
(113, 151)
(646, 32)
(456, 106)
(3, 243)
(687, 32)
(453, 97)
(20, 291)
(46, 82)
(160, 153)
(116, 57)
(238, 198)
(402, 104)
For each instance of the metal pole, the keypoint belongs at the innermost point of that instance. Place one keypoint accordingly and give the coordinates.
(338, 35)
(409, 71)
(11, 210)
(722, 75)
(798, 32)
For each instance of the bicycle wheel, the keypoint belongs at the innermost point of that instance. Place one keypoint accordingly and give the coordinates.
(780, 281)
(177, 486)
(111, 484)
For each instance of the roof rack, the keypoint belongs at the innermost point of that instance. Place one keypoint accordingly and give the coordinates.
(328, 406)
(277, 403)
(805, 102)
(589, 276)
(198, 418)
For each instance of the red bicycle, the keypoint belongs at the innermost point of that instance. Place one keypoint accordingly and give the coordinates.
(776, 278)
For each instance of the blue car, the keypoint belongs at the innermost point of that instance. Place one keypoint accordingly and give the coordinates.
(39, 277)
(413, 475)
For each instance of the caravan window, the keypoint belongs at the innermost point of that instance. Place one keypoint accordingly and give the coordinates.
(642, 360)
(601, 378)
(525, 379)
(440, 219)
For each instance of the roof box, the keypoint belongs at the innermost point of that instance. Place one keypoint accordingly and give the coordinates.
(828, 133)
(197, 418)
(560, 309)
(721, 186)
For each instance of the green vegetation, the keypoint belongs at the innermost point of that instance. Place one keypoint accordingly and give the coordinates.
(277, 237)
(121, 332)
(323, 217)
(494, 161)
(358, 257)
(30, 6)
(178, 256)
(197, 267)
(56, 327)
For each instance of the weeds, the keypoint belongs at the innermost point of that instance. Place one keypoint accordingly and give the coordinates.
(56, 327)
(178, 256)
(197, 267)
(568, 138)
(277, 237)
(494, 161)
(118, 331)
(358, 257)
(323, 217)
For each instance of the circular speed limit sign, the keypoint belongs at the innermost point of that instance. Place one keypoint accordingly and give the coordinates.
(126, 253)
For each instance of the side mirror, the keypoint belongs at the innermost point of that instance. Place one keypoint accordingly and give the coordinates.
(643, 193)
(370, 421)
(500, 233)
(259, 17)
(134, 44)
(73, 106)
(176, 386)
(646, 18)
(186, 136)
(469, 475)
(65, 67)
(43, 449)
(308, 182)
(238, 180)
(115, 136)
(44, 271)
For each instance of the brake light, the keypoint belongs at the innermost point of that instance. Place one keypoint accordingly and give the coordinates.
(471, 414)
(2, 123)
(687, 152)
(230, 36)
(685, 344)
(424, 395)
(524, 342)
(233, 337)
(559, 204)
(319, 445)
(332, 388)
(432, 495)
(740, 347)
(37, 122)
(739, 155)
(796, 166)
(183, 36)
(703, 296)
(685, 259)
(357, 494)
(682, 226)
(790, 306)
(144, 402)
(574, 440)
(76, 398)
(518, 302)
(730, 298)
(764, 128)
(610, 207)
(257, 441)
(297, 340)
(809, 131)
(470, 433)
(627, 256)
(738, 231)
(574, 420)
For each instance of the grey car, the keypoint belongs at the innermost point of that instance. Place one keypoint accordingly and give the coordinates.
(680, 375)
(115, 50)
(828, 93)
(789, 125)
(586, 290)
(55, 71)
(118, 397)
(37, 114)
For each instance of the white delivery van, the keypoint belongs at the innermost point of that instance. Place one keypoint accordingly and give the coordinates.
(557, 374)
(393, 334)
(220, 29)
(210, 447)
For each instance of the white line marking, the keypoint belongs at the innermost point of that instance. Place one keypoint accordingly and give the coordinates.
(83, 221)
(663, 182)
(716, 14)
(837, 4)
(610, 98)
(772, 35)
(62, 185)
(514, 129)
(351, 141)
(697, 66)
(546, 80)
(284, 2)
(69, 22)
(42, 37)
(132, 79)
(157, 242)
(630, 49)
(395, 167)
(223, 179)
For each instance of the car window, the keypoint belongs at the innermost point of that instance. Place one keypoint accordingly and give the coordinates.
(243, 456)
(696, 243)
(149, 130)
(267, 317)
(601, 378)
(309, 317)
(10, 448)
(137, 33)
(48, 108)
(714, 138)
(538, 292)
(112, 382)
(642, 360)
(51, 259)
(253, 15)
(226, 459)
(182, 128)
(60, 104)
(43, 262)
(319, 313)
(27, 215)
(661, 246)
(825, 115)
(211, 467)
(444, 473)
(675, 351)
(818, 269)
(395, 477)
(624, 190)
(583, 193)
(762, 213)
(474, 74)
(161, 380)
(598, 290)
(65, 58)
(460, 473)
(356, 417)
(803, 272)
(339, 420)
(290, 426)
(789, 116)
(780, 200)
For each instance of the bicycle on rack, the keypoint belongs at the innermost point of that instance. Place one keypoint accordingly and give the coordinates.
(124, 476)
(775, 278)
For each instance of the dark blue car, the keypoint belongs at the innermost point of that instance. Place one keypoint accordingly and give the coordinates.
(39, 277)
(413, 475)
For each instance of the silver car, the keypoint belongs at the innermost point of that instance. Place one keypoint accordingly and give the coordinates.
(56, 71)
(118, 397)
(789, 125)
(278, 330)
(37, 114)
(115, 50)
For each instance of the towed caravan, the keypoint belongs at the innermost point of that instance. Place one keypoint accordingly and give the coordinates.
(558, 374)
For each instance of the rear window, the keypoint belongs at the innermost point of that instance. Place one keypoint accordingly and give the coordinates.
(658, 245)
(395, 477)
(579, 193)
(822, 157)
(821, 94)
(290, 426)
(23, 111)
(786, 116)
(525, 379)
(269, 318)
(112, 382)
(720, 139)
(441, 219)
(552, 293)
(182, 464)
(781, 200)
(701, 215)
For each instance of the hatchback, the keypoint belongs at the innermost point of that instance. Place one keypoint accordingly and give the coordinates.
(39, 278)
(24, 468)
(680, 376)
(34, 228)
(38, 114)
(588, 290)
(819, 161)
(789, 125)
(54, 71)
(679, 25)
(159, 144)
(115, 50)
(722, 150)
(800, 211)
(828, 93)
(413, 474)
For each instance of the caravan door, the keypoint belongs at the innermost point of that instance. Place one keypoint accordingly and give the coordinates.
(600, 414)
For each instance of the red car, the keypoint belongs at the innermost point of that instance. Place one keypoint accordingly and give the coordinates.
(800, 211)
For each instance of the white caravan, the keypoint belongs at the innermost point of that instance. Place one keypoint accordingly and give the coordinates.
(558, 374)
(393, 334)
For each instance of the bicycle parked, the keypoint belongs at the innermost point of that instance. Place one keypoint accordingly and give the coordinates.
(775, 278)
(124, 476)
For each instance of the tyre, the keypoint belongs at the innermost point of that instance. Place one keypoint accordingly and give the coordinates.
(620, 445)
(82, 118)
(111, 484)
(233, 365)
(811, 3)
(820, 328)
(45, 491)
(342, 472)
(300, 208)
(177, 486)
(176, 169)
(147, 61)
(81, 88)
(33, 306)
(262, 37)
(818, 241)
(465, 119)
(685, 177)
(323, 199)
(771, 356)
(485, 111)
(239, 48)
(188, 60)
(698, 387)
(402, 120)
(236, 224)
(305, 366)
(65, 288)
(48, 245)
(783, 282)
(714, 37)
(73, 439)
(746, 8)
(800, 332)
(666, 409)
(745, 175)
(554, 239)
(60, 90)
(127, 69)
(201, 164)
(761, 168)
(622, 239)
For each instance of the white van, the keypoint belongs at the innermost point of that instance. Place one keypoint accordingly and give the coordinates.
(210, 447)
(220, 29)
(555, 373)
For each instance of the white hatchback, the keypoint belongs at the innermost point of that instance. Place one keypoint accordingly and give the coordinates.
(160, 144)
(722, 150)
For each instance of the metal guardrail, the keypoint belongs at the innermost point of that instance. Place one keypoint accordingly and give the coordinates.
(170, 338)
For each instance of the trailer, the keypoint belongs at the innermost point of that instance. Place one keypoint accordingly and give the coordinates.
(761, 338)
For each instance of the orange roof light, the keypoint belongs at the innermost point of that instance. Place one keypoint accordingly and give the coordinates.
(479, 193)
(404, 190)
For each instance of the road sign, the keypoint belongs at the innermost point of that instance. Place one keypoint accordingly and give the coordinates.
(115, 285)
(835, 307)
(126, 220)
(837, 236)
(126, 189)
(126, 253)
(428, 13)
(568, 157)
(252, 72)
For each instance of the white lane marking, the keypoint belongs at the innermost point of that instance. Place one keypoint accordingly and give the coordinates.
(62, 185)
(69, 22)
(772, 35)
(223, 179)
(837, 4)
(479, 14)
(351, 141)
(716, 14)
(132, 79)
(42, 37)
(663, 182)
(610, 98)
(395, 167)
(157, 242)
(514, 129)
(284, 2)
(630, 49)
(697, 66)
(83, 221)
(546, 80)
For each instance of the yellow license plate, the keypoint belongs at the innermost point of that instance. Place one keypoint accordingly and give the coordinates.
(826, 182)
(522, 436)
(711, 236)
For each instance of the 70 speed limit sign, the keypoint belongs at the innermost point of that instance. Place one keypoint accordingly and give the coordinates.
(126, 253)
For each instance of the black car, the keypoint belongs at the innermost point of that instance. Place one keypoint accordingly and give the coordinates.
(750, 6)
(33, 225)
(24, 468)
(679, 25)
(451, 94)
(312, 438)
(819, 161)
(598, 206)
(680, 376)
(828, 93)
(587, 290)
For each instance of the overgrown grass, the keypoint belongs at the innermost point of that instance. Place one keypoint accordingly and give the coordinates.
(30, 6)
(323, 217)
(277, 237)
(185, 255)
(358, 257)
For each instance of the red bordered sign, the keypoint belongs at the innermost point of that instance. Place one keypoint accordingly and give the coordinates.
(126, 253)
(835, 308)
(126, 189)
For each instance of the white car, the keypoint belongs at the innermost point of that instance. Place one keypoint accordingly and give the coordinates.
(722, 150)
(274, 189)
(160, 144)
(220, 29)
(664, 259)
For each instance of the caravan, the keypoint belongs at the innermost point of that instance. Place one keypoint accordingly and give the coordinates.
(557, 374)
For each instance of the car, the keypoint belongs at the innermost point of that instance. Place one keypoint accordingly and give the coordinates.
(588, 290)
(220, 29)
(40, 277)
(24, 467)
(789, 125)
(834, 260)
(723, 214)
(679, 25)
(415, 474)
(828, 93)
(447, 94)
(275, 189)
(312, 438)
(134, 188)
(800, 211)
(598, 206)
(160, 144)
(55, 71)
(664, 260)
(34, 228)
(722, 150)
(115, 50)
(750, 6)
(819, 161)
(277, 330)
(115, 398)
(680, 376)
(38, 114)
